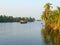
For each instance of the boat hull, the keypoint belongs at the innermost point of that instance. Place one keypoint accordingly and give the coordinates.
(23, 22)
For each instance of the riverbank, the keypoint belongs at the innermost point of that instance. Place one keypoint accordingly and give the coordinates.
(15, 19)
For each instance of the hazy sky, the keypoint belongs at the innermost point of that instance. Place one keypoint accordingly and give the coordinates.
(25, 8)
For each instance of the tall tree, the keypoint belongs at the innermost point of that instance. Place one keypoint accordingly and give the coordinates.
(58, 18)
(47, 8)
(46, 13)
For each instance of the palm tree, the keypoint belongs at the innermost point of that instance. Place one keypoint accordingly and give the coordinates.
(47, 8)
(46, 13)
(58, 16)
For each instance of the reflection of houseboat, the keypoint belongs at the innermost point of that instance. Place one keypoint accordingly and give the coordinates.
(23, 22)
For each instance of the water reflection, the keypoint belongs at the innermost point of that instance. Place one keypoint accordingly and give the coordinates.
(21, 34)
(50, 38)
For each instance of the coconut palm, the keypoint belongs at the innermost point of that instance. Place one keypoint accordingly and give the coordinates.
(46, 13)
(58, 16)
(47, 8)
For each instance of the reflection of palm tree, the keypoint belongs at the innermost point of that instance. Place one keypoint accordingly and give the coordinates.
(53, 38)
(45, 36)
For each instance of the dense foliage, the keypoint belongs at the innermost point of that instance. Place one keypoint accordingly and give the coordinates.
(51, 17)
(51, 32)
(15, 19)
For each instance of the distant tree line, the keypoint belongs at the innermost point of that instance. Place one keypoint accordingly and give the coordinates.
(15, 19)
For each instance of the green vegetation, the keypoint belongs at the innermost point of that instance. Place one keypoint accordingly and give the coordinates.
(51, 17)
(51, 32)
(15, 19)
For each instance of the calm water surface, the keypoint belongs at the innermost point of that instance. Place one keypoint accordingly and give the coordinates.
(21, 34)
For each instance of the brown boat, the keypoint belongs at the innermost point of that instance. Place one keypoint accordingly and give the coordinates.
(23, 22)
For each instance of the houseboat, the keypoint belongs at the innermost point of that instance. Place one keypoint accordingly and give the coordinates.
(23, 22)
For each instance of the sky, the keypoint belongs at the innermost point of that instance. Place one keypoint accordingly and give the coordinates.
(25, 8)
